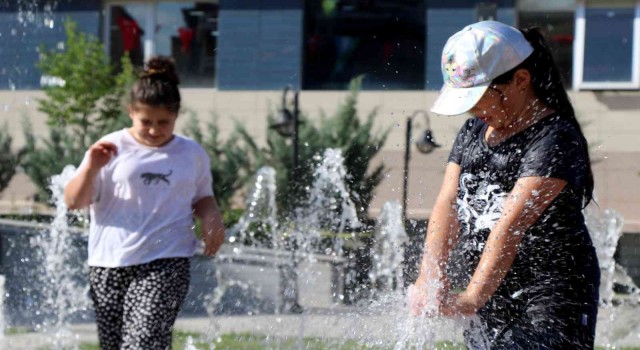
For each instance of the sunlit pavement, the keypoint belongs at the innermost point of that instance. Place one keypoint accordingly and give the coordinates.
(333, 324)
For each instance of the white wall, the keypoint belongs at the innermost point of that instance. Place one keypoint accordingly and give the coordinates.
(611, 122)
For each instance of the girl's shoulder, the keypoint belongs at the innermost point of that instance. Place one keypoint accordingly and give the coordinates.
(189, 144)
(555, 128)
(185, 141)
(472, 125)
(116, 136)
(471, 129)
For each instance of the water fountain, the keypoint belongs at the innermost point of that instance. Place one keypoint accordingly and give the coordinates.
(261, 213)
(240, 270)
(44, 268)
(618, 322)
(327, 209)
(386, 272)
(62, 272)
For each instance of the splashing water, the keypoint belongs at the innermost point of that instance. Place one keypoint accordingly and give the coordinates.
(329, 207)
(261, 211)
(618, 323)
(65, 294)
(189, 345)
(605, 229)
(28, 11)
(386, 272)
(259, 218)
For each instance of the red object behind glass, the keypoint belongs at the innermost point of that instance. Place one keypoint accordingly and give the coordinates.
(186, 38)
(131, 32)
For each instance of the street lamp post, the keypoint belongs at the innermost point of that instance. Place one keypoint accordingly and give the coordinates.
(426, 144)
(287, 126)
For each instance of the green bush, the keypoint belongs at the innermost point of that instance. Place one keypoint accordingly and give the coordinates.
(9, 160)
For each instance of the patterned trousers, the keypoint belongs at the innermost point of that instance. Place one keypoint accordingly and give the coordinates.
(136, 306)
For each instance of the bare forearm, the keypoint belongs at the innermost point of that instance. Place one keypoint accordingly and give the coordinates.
(79, 191)
(212, 223)
(497, 258)
(213, 230)
(442, 230)
(441, 237)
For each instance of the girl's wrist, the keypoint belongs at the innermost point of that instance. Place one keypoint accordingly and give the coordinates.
(460, 304)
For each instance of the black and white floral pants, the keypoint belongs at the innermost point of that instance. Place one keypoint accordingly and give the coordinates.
(136, 306)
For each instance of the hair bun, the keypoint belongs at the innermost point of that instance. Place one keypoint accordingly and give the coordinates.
(162, 68)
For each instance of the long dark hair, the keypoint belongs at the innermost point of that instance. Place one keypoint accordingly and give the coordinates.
(158, 85)
(548, 87)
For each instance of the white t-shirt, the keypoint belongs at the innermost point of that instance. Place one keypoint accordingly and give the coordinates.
(142, 204)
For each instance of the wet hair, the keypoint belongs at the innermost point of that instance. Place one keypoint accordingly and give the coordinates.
(157, 85)
(548, 87)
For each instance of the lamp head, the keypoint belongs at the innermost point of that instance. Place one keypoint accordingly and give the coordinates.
(284, 123)
(426, 144)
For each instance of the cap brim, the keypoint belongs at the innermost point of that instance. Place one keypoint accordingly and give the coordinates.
(454, 101)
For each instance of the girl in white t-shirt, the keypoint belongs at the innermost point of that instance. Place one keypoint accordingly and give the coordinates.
(144, 184)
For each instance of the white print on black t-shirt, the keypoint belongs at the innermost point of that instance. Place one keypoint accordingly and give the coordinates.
(479, 202)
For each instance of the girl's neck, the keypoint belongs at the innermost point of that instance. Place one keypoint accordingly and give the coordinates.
(531, 115)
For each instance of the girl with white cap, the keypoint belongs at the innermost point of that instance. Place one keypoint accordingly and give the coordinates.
(511, 201)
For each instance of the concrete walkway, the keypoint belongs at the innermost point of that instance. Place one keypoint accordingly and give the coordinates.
(340, 323)
(327, 325)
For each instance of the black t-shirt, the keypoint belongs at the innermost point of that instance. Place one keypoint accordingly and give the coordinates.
(557, 249)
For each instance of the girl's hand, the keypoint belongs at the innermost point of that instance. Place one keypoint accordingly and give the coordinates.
(100, 154)
(425, 297)
(418, 300)
(459, 305)
(213, 242)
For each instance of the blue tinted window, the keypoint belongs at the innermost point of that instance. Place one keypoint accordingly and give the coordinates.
(608, 45)
(382, 40)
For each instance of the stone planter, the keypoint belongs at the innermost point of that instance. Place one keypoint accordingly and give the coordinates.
(268, 280)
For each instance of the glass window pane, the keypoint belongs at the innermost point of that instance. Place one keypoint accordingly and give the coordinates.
(546, 5)
(557, 28)
(384, 40)
(608, 44)
(127, 32)
(187, 32)
(611, 3)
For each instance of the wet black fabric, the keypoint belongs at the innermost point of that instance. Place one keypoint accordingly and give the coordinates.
(548, 300)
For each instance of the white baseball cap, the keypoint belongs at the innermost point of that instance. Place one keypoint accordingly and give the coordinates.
(472, 58)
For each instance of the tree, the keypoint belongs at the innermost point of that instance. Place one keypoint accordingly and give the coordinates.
(344, 130)
(9, 159)
(228, 159)
(85, 104)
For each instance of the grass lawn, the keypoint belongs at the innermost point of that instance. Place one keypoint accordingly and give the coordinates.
(258, 342)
